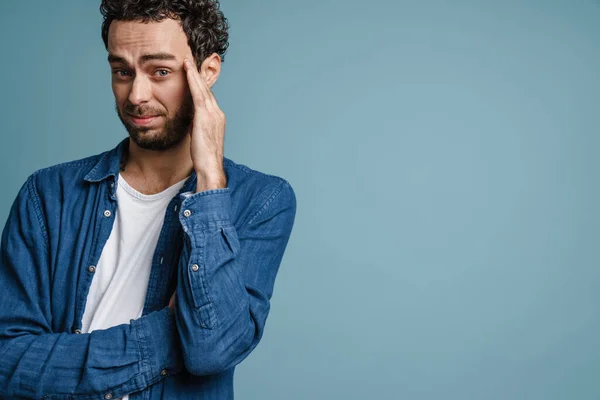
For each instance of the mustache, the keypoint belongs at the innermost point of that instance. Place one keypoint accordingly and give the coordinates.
(140, 111)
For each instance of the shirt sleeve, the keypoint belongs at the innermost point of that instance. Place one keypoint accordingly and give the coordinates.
(226, 274)
(39, 363)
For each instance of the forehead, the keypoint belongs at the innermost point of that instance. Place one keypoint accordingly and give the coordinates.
(132, 38)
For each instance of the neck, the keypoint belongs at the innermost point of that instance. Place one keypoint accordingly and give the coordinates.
(152, 171)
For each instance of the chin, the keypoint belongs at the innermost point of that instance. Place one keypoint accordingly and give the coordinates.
(154, 139)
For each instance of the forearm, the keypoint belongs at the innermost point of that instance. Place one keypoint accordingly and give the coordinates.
(115, 361)
(226, 275)
(36, 361)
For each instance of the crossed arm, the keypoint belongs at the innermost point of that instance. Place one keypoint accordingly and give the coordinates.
(225, 281)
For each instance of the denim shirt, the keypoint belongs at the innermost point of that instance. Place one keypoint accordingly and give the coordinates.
(220, 250)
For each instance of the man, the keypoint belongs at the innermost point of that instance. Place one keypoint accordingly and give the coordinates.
(144, 272)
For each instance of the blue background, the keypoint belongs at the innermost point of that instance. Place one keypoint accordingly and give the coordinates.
(445, 160)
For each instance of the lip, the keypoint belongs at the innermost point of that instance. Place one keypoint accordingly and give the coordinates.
(145, 120)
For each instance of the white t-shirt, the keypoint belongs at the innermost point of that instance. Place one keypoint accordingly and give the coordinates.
(118, 290)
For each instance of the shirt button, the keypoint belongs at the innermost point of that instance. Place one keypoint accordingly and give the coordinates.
(187, 213)
(195, 267)
(78, 331)
(108, 396)
(107, 213)
(164, 372)
(92, 269)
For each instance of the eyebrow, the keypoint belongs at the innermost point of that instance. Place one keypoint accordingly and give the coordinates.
(143, 59)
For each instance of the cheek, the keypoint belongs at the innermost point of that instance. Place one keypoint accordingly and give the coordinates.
(171, 95)
(120, 92)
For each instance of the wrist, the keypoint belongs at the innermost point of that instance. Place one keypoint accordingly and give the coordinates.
(210, 181)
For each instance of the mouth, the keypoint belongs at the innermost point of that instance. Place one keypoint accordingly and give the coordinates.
(143, 120)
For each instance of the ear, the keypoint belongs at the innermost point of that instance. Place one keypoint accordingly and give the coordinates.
(211, 69)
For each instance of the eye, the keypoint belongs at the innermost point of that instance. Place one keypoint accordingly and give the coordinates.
(121, 73)
(162, 72)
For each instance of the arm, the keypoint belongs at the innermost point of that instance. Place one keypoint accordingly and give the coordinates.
(226, 275)
(36, 362)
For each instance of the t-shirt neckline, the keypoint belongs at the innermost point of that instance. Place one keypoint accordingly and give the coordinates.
(170, 191)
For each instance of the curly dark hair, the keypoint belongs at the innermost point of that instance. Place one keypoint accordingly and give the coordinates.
(202, 21)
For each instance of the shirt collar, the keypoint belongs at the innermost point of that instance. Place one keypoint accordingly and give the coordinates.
(109, 163)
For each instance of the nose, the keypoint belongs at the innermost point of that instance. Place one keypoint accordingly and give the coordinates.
(141, 90)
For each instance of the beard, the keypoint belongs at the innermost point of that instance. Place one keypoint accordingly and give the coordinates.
(173, 131)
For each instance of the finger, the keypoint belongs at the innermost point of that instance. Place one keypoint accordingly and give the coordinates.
(203, 94)
(209, 95)
(198, 95)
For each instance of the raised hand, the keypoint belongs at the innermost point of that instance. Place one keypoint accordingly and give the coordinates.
(207, 133)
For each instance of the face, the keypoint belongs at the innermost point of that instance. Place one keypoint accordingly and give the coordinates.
(149, 82)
